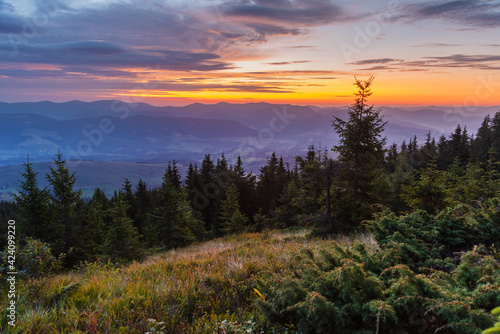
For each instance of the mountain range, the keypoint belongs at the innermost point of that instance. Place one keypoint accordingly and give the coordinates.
(116, 131)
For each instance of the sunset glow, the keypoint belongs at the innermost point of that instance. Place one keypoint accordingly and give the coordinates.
(301, 52)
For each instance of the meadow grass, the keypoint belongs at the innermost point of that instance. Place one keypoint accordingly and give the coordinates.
(209, 287)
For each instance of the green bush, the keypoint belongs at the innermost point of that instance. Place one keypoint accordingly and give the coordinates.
(34, 259)
(424, 278)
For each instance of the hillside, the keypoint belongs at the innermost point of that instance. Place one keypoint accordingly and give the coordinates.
(243, 284)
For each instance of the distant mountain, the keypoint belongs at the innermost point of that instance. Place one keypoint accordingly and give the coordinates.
(117, 131)
(108, 176)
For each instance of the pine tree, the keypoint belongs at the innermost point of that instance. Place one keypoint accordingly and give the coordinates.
(174, 174)
(458, 146)
(495, 135)
(429, 150)
(211, 191)
(129, 199)
(33, 207)
(246, 184)
(444, 156)
(482, 142)
(232, 220)
(390, 160)
(92, 232)
(122, 242)
(221, 164)
(272, 182)
(64, 198)
(361, 152)
(173, 223)
(427, 193)
(144, 203)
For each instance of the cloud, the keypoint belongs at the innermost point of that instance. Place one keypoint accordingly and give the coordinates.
(436, 45)
(302, 12)
(95, 53)
(289, 62)
(10, 23)
(478, 62)
(477, 14)
(376, 61)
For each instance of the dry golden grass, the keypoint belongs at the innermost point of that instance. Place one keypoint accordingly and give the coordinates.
(198, 289)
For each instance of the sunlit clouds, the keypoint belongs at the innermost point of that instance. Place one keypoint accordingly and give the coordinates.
(284, 51)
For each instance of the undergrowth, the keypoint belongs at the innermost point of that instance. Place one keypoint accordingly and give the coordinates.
(278, 282)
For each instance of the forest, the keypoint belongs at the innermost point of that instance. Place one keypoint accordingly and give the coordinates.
(431, 209)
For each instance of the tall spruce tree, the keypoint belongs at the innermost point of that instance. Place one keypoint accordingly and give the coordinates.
(482, 142)
(361, 151)
(64, 198)
(173, 223)
(272, 182)
(232, 220)
(122, 241)
(33, 206)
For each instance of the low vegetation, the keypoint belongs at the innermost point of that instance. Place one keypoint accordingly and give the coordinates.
(278, 282)
(415, 246)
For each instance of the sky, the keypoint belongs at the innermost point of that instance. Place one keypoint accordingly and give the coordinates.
(307, 52)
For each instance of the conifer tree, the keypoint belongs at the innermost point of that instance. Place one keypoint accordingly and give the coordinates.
(272, 182)
(128, 197)
(428, 192)
(64, 198)
(232, 220)
(92, 232)
(391, 157)
(174, 174)
(246, 184)
(173, 223)
(122, 242)
(33, 207)
(429, 150)
(482, 142)
(361, 151)
(211, 190)
(444, 155)
(144, 203)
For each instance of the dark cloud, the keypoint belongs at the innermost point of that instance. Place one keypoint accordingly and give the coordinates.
(432, 9)
(264, 30)
(437, 45)
(376, 61)
(476, 14)
(302, 12)
(93, 53)
(22, 73)
(301, 47)
(9, 22)
(82, 83)
(289, 62)
(478, 62)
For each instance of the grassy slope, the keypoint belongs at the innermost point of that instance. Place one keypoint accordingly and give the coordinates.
(205, 288)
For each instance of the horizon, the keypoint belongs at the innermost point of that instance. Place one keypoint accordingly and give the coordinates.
(403, 106)
(422, 53)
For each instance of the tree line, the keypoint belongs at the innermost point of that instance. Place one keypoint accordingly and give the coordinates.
(219, 198)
